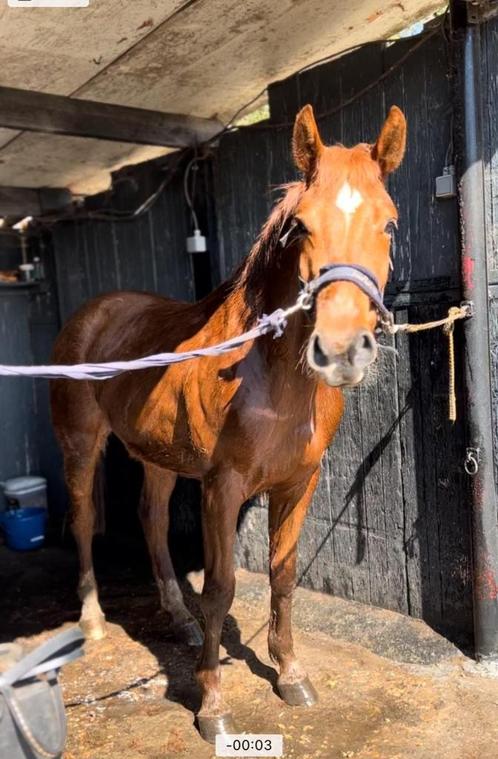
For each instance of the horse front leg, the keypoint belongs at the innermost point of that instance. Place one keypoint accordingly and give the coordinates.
(287, 510)
(222, 499)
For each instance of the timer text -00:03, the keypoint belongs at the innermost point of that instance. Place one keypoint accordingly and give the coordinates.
(249, 745)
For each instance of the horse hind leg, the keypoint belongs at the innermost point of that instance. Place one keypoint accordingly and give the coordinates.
(81, 456)
(154, 514)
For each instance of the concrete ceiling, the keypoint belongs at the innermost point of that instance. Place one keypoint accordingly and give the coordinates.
(199, 57)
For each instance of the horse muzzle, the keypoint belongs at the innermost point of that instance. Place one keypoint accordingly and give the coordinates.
(342, 363)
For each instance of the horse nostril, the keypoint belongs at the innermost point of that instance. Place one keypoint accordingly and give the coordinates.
(366, 342)
(363, 350)
(319, 356)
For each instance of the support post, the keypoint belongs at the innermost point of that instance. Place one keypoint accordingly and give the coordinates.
(480, 455)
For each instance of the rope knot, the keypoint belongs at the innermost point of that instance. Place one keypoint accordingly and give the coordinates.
(454, 313)
(276, 321)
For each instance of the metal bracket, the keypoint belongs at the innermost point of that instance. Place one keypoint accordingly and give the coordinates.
(481, 10)
(469, 305)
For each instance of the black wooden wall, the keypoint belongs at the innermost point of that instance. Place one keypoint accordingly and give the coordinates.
(28, 325)
(96, 255)
(389, 523)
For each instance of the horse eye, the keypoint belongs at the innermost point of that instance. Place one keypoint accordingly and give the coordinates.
(301, 228)
(390, 227)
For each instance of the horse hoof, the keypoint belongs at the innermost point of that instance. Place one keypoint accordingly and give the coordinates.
(301, 693)
(190, 633)
(210, 727)
(93, 629)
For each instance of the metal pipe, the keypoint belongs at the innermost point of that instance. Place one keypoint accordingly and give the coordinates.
(479, 457)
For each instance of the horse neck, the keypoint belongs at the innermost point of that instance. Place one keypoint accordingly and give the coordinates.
(260, 288)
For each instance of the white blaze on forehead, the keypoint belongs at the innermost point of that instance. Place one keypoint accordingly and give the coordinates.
(348, 199)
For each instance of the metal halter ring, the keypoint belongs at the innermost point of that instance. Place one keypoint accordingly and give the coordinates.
(306, 300)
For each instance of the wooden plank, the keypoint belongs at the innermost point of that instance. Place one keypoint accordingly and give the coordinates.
(173, 265)
(382, 486)
(71, 275)
(250, 153)
(24, 201)
(426, 243)
(349, 547)
(57, 114)
(19, 453)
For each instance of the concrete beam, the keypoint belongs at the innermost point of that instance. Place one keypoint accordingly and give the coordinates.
(58, 114)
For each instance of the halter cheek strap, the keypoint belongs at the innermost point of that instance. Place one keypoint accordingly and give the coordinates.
(357, 275)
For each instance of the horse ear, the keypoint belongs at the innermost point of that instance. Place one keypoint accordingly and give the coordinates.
(389, 149)
(306, 142)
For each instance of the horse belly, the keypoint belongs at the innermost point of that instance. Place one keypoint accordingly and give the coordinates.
(148, 417)
(167, 448)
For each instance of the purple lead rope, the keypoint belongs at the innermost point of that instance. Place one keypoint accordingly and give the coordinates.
(275, 322)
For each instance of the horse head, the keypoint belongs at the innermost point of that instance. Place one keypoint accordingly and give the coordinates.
(345, 216)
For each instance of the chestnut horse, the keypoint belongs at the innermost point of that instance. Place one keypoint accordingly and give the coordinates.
(257, 419)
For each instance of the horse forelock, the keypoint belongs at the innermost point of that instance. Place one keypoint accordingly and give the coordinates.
(339, 164)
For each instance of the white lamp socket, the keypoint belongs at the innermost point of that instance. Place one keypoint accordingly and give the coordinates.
(196, 243)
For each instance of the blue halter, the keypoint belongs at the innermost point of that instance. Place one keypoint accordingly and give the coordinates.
(354, 273)
(357, 275)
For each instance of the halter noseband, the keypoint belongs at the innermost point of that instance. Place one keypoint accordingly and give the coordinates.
(357, 275)
(354, 273)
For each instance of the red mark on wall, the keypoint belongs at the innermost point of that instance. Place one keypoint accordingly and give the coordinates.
(486, 586)
(468, 272)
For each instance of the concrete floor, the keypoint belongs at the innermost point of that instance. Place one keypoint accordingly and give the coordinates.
(389, 687)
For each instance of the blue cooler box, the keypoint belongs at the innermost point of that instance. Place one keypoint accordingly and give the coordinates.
(24, 528)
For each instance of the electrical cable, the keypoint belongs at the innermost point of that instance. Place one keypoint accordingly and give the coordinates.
(48, 220)
(188, 196)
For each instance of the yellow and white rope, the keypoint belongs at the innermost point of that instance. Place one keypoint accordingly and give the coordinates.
(448, 324)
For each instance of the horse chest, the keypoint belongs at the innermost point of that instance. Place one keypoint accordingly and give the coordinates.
(288, 439)
(269, 440)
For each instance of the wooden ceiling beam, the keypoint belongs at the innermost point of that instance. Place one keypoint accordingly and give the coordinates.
(58, 114)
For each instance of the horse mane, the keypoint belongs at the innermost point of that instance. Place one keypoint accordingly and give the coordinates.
(266, 254)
